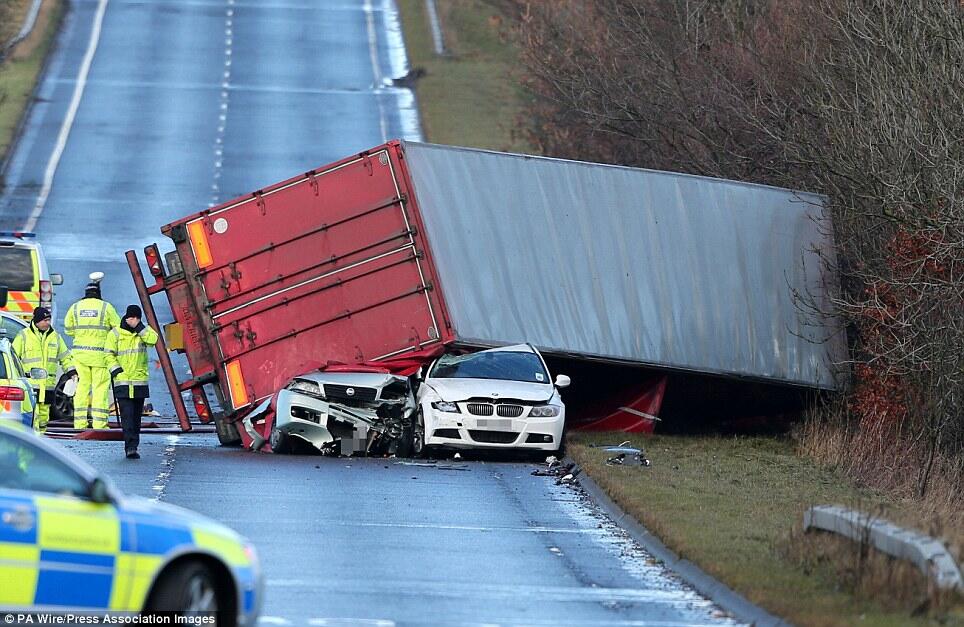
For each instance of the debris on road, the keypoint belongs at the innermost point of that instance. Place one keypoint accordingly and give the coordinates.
(433, 464)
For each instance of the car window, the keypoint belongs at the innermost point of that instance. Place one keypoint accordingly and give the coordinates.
(11, 326)
(16, 268)
(3, 365)
(499, 365)
(24, 466)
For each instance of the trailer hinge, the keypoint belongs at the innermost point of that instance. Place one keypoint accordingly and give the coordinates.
(368, 165)
(225, 283)
(235, 274)
(251, 336)
(313, 181)
(259, 198)
(179, 234)
(238, 334)
(359, 355)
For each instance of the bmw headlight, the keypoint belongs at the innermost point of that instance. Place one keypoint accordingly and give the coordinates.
(447, 407)
(306, 387)
(544, 411)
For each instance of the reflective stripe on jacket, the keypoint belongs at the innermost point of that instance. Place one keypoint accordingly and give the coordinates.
(128, 351)
(89, 321)
(37, 349)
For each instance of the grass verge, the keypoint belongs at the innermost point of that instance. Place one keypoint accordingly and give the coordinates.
(20, 71)
(468, 97)
(734, 506)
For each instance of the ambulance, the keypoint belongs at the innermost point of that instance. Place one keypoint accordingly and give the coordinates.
(23, 271)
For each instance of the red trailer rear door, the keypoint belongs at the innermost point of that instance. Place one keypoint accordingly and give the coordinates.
(327, 266)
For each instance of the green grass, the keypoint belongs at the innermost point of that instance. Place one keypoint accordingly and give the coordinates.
(734, 506)
(19, 74)
(470, 97)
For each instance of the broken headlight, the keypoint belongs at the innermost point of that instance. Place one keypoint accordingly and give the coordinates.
(447, 407)
(544, 411)
(306, 387)
(397, 389)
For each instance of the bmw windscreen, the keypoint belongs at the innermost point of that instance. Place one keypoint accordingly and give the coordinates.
(497, 365)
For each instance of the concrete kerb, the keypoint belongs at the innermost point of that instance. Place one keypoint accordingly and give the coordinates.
(435, 25)
(727, 599)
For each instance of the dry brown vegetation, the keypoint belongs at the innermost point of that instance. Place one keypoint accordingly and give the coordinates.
(861, 100)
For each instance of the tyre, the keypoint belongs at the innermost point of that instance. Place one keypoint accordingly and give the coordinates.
(280, 441)
(418, 435)
(188, 587)
(405, 445)
(227, 432)
(62, 406)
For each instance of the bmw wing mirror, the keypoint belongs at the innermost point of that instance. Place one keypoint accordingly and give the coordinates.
(3, 295)
(562, 381)
(99, 492)
(57, 279)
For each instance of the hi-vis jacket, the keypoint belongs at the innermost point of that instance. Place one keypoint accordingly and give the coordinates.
(37, 349)
(127, 351)
(89, 321)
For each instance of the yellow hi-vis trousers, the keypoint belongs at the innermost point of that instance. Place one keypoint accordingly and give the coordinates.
(92, 397)
(41, 412)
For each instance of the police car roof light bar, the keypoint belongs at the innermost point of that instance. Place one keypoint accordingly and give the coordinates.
(17, 234)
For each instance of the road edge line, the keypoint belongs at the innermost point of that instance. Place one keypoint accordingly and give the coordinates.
(18, 130)
(68, 122)
(729, 600)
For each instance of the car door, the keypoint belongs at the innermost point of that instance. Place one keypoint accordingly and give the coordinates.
(62, 546)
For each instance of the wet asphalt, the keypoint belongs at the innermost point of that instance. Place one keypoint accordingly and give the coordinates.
(387, 541)
(150, 110)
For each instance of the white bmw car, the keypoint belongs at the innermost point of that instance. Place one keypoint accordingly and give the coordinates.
(501, 398)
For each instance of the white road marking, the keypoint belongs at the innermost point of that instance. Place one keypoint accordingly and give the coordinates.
(167, 466)
(224, 97)
(376, 70)
(68, 122)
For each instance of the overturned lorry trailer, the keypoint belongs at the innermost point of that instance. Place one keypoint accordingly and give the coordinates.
(408, 248)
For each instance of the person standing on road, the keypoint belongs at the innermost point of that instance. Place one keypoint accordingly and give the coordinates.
(89, 322)
(40, 346)
(127, 360)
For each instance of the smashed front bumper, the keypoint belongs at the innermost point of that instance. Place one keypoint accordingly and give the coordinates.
(346, 426)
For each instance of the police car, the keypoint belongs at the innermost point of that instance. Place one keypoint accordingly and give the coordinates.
(16, 394)
(23, 271)
(69, 541)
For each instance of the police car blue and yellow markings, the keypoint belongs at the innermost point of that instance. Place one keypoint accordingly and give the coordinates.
(87, 555)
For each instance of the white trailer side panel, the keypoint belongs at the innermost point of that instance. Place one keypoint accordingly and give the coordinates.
(655, 268)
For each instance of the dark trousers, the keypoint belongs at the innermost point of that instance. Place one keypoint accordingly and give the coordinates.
(130, 411)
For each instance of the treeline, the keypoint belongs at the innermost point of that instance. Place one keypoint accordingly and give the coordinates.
(860, 100)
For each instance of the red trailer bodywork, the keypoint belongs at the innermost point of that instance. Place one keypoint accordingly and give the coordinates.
(266, 293)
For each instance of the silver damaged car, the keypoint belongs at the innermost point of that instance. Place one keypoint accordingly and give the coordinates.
(346, 413)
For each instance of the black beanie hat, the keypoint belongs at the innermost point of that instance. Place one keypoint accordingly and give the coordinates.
(92, 290)
(133, 311)
(40, 314)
